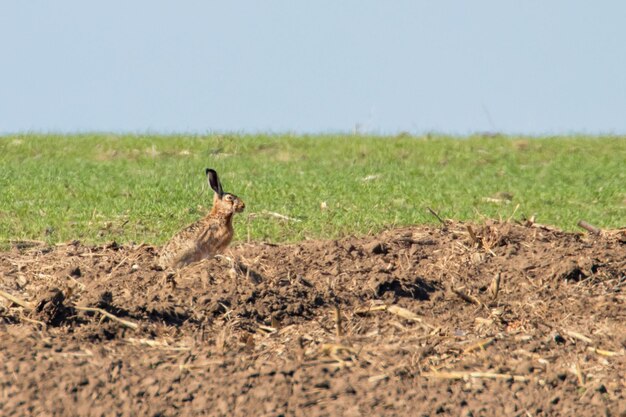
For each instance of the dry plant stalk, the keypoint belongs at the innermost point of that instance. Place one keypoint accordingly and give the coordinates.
(576, 369)
(578, 336)
(603, 352)
(494, 288)
(33, 321)
(371, 309)
(466, 297)
(376, 378)
(273, 214)
(434, 213)
(397, 310)
(335, 351)
(529, 222)
(110, 316)
(118, 265)
(268, 329)
(512, 214)
(473, 236)
(481, 344)
(404, 313)
(588, 227)
(86, 353)
(156, 344)
(16, 300)
(220, 342)
(465, 375)
(483, 321)
(339, 328)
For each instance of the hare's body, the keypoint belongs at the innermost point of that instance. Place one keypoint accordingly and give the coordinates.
(209, 235)
(202, 239)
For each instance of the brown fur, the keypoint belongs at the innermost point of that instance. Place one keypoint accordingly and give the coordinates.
(204, 238)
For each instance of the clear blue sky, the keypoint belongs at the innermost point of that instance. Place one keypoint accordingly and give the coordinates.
(531, 67)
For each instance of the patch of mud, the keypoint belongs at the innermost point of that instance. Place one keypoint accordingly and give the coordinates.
(493, 319)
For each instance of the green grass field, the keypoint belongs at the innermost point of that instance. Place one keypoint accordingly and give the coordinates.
(99, 188)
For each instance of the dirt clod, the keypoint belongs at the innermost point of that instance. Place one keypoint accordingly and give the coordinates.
(50, 308)
(377, 248)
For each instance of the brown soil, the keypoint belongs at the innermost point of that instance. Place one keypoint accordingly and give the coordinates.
(407, 322)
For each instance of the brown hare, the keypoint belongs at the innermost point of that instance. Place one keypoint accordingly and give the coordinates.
(209, 235)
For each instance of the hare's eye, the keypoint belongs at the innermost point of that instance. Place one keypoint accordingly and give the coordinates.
(228, 197)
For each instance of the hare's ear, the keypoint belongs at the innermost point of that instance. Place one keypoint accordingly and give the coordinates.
(214, 182)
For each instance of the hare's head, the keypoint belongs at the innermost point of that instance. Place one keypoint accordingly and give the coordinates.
(224, 203)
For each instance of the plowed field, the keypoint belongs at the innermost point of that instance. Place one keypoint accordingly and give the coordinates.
(470, 320)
